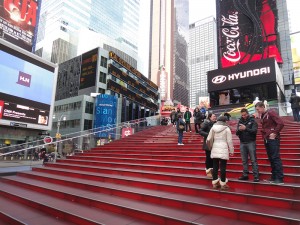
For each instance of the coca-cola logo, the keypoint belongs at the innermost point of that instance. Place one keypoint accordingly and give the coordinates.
(232, 34)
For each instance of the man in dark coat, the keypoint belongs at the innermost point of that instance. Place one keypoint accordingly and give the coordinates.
(204, 131)
(246, 131)
(295, 105)
(187, 118)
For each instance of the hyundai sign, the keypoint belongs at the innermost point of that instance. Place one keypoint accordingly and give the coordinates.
(258, 72)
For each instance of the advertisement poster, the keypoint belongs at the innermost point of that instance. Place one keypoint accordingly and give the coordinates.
(26, 88)
(19, 21)
(247, 31)
(295, 43)
(105, 114)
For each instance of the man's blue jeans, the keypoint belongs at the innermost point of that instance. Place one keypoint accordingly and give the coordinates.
(249, 149)
(180, 137)
(273, 152)
(296, 114)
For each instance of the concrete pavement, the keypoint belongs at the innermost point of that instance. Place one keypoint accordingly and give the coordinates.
(10, 167)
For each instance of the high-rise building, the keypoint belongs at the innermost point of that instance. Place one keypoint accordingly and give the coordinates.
(61, 20)
(202, 57)
(169, 50)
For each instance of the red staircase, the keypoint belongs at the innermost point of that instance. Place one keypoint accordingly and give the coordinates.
(147, 178)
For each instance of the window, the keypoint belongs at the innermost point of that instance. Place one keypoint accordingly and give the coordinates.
(88, 124)
(101, 91)
(102, 77)
(89, 107)
(103, 62)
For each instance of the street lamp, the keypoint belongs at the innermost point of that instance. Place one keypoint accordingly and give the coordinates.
(58, 135)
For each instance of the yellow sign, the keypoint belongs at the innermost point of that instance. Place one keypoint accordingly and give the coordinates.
(58, 135)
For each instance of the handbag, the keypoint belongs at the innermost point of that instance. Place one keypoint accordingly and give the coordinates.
(210, 142)
(180, 127)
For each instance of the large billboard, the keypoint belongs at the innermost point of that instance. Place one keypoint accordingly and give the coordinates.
(295, 42)
(247, 31)
(88, 69)
(105, 113)
(258, 72)
(26, 89)
(19, 21)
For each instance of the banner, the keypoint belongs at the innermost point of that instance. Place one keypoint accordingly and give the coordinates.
(247, 31)
(105, 114)
(19, 22)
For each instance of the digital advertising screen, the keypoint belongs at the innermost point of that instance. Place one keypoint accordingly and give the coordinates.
(26, 89)
(247, 31)
(19, 21)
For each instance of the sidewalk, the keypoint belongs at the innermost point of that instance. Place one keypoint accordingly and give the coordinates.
(11, 167)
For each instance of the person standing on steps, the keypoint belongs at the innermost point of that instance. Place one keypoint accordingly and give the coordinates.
(181, 127)
(272, 124)
(176, 118)
(295, 105)
(246, 131)
(222, 147)
(204, 130)
(187, 117)
(197, 119)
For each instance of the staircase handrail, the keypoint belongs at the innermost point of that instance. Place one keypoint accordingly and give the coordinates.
(85, 133)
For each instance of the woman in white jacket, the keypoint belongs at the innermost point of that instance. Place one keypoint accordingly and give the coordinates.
(222, 146)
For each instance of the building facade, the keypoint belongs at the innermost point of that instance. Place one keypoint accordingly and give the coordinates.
(202, 57)
(60, 22)
(169, 50)
(101, 72)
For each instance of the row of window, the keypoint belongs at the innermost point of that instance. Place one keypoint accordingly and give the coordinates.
(89, 107)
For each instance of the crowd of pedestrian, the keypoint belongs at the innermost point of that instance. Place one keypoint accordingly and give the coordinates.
(218, 145)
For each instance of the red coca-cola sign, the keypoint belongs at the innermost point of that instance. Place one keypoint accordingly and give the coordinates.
(247, 31)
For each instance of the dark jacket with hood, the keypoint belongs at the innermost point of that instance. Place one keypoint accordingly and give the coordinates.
(295, 101)
(249, 134)
(204, 131)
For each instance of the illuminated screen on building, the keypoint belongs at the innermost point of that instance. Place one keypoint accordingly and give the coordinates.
(247, 31)
(26, 89)
(18, 21)
(105, 113)
(88, 69)
(295, 42)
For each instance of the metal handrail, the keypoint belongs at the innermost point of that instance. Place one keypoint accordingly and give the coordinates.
(31, 145)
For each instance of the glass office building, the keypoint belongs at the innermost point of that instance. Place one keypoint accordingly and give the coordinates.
(202, 57)
(60, 20)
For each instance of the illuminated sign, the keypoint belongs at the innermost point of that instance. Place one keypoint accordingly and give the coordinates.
(113, 56)
(132, 82)
(18, 21)
(111, 85)
(26, 87)
(258, 72)
(88, 69)
(247, 31)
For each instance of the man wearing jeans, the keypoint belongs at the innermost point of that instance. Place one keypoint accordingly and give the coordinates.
(246, 131)
(272, 124)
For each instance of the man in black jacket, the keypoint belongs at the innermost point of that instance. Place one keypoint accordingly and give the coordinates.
(295, 105)
(246, 131)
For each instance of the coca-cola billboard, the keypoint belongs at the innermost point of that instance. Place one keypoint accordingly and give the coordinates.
(247, 31)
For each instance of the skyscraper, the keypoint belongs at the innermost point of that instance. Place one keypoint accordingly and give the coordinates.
(169, 51)
(202, 57)
(60, 21)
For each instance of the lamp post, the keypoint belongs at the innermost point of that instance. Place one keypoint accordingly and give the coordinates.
(58, 135)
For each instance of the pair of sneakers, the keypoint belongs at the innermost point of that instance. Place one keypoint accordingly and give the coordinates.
(180, 144)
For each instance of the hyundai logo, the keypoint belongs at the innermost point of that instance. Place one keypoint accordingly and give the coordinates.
(219, 79)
